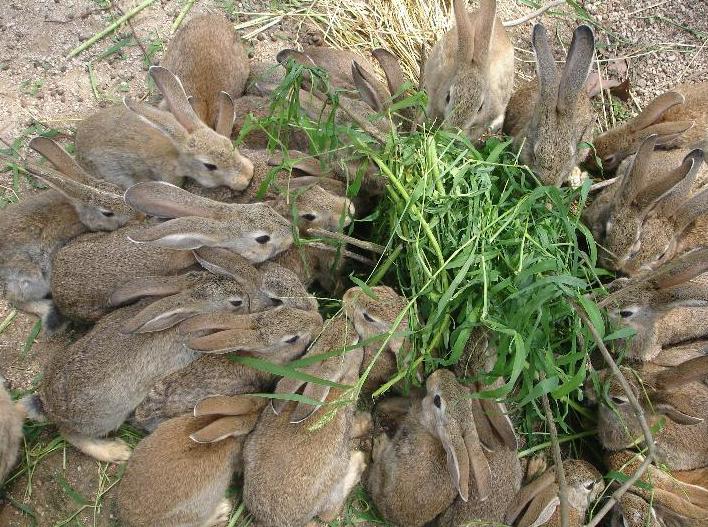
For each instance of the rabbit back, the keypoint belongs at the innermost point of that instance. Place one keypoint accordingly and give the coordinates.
(11, 418)
(695, 108)
(92, 386)
(208, 57)
(88, 270)
(205, 472)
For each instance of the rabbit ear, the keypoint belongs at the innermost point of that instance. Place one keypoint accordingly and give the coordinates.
(162, 121)
(228, 263)
(232, 426)
(392, 69)
(577, 68)
(218, 322)
(226, 115)
(682, 269)
(147, 286)
(182, 233)
(163, 314)
(633, 180)
(690, 211)
(465, 32)
(302, 162)
(228, 341)
(654, 110)
(496, 415)
(527, 494)
(677, 415)
(331, 185)
(228, 405)
(364, 83)
(458, 460)
(671, 191)
(75, 191)
(541, 508)
(173, 91)
(199, 106)
(677, 376)
(479, 466)
(669, 133)
(545, 65)
(61, 160)
(165, 200)
(483, 32)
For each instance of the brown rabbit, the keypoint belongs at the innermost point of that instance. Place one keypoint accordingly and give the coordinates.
(469, 73)
(668, 501)
(537, 503)
(678, 118)
(278, 335)
(676, 394)
(12, 416)
(550, 117)
(259, 107)
(142, 143)
(294, 471)
(32, 231)
(433, 457)
(207, 56)
(179, 474)
(91, 387)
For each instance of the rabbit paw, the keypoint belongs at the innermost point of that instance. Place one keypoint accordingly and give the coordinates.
(107, 450)
(220, 515)
(361, 424)
(536, 466)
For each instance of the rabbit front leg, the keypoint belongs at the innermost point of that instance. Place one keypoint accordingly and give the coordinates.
(220, 515)
(107, 450)
(357, 465)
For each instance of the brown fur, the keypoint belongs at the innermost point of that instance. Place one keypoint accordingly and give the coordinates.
(11, 419)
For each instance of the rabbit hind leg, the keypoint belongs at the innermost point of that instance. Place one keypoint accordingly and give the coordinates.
(357, 464)
(107, 450)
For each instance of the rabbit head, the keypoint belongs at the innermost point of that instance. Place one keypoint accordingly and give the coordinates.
(537, 503)
(98, 203)
(562, 115)
(469, 73)
(206, 156)
(255, 231)
(615, 145)
(278, 332)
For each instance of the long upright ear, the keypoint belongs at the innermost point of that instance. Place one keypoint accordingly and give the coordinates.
(231, 426)
(61, 160)
(364, 82)
(671, 191)
(228, 405)
(149, 286)
(526, 494)
(164, 200)
(465, 32)
(392, 69)
(225, 116)
(458, 460)
(230, 264)
(654, 110)
(182, 233)
(690, 210)
(633, 180)
(162, 121)
(483, 32)
(173, 91)
(677, 376)
(545, 65)
(163, 314)
(577, 68)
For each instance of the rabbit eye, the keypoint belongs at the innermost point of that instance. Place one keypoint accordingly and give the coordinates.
(108, 213)
(293, 339)
(617, 400)
(589, 485)
(276, 301)
(210, 166)
(309, 216)
(264, 238)
(236, 302)
(368, 317)
(447, 97)
(626, 313)
(480, 106)
(436, 401)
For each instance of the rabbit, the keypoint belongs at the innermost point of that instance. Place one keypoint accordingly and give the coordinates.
(12, 415)
(178, 475)
(84, 278)
(32, 231)
(667, 501)
(550, 117)
(294, 471)
(537, 503)
(677, 117)
(435, 456)
(89, 388)
(278, 335)
(675, 394)
(469, 73)
(207, 56)
(372, 317)
(259, 107)
(651, 214)
(126, 145)
(661, 325)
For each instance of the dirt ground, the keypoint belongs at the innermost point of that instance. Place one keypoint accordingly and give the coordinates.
(664, 42)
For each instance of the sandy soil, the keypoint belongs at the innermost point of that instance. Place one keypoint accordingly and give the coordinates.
(664, 44)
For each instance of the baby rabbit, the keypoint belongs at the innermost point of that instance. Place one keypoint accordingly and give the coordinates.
(142, 143)
(537, 503)
(207, 56)
(665, 499)
(32, 231)
(180, 473)
(678, 118)
(292, 470)
(550, 117)
(434, 455)
(84, 278)
(90, 387)
(11, 417)
(469, 73)
(278, 336)
(678, 394)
